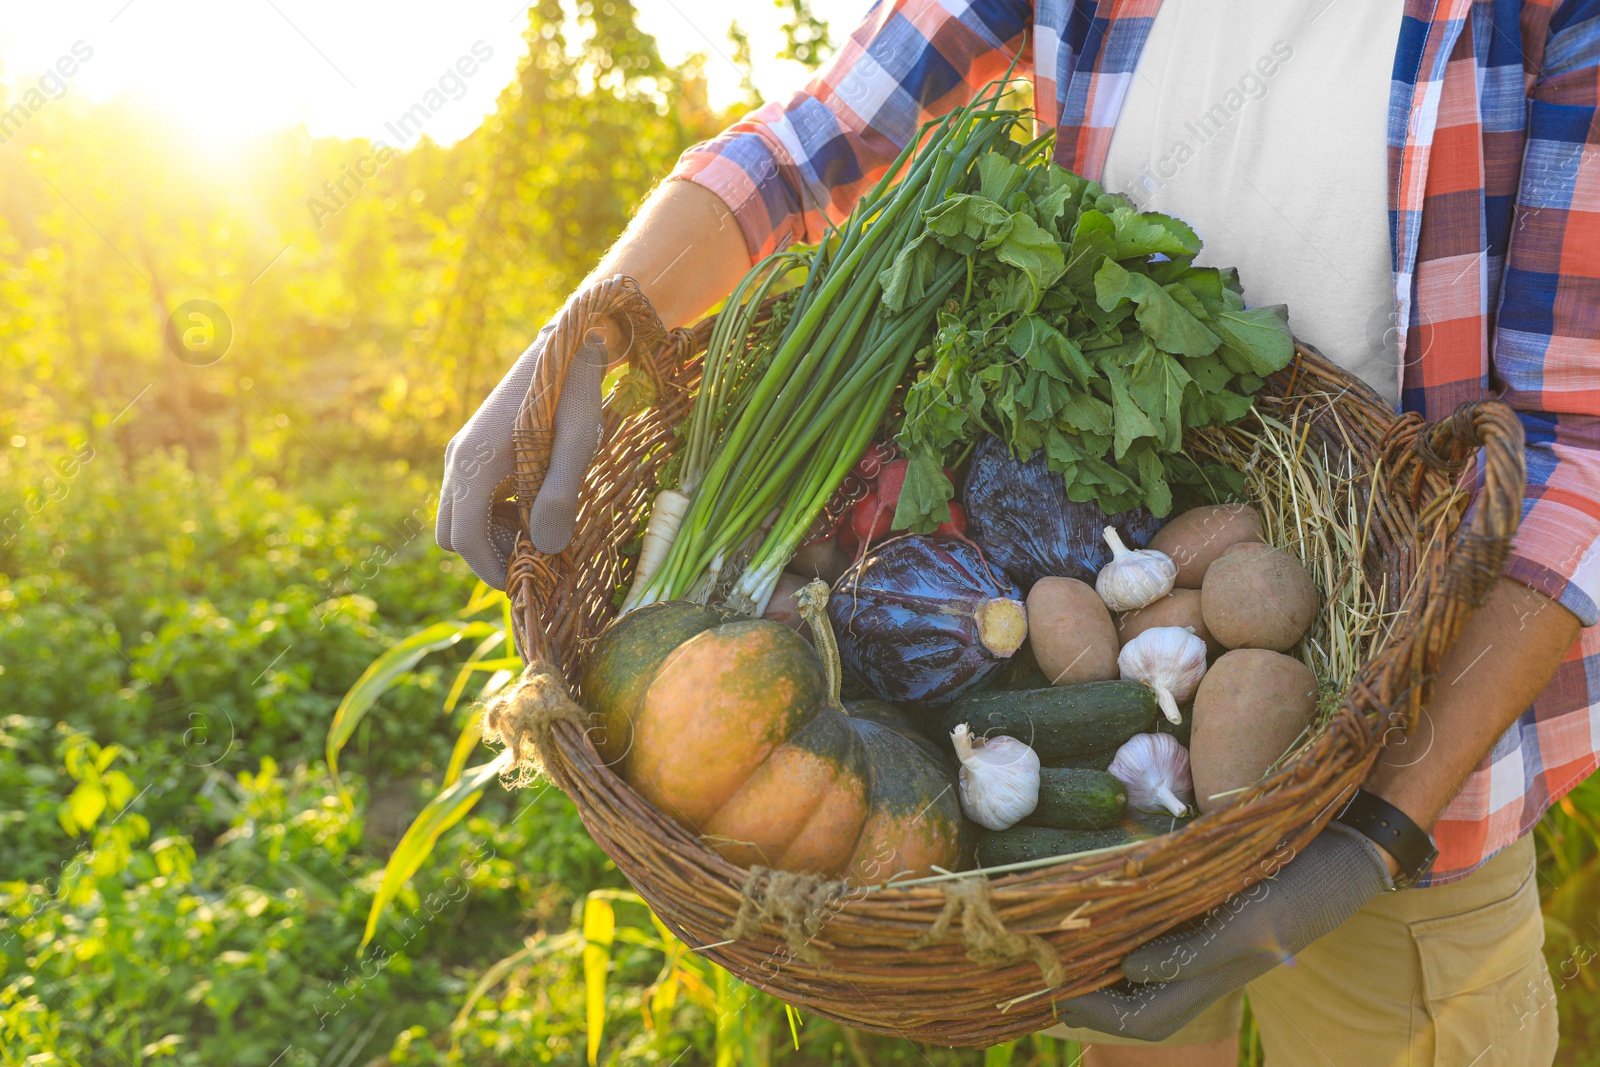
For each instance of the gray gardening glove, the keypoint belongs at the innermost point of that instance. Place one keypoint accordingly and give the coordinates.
(474, 519)
(1240, 940)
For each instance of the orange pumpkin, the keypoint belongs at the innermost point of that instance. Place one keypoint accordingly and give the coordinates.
(739, 736)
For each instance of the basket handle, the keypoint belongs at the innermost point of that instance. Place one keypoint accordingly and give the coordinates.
(618, 298)
(1478, 554)
(1480, 551)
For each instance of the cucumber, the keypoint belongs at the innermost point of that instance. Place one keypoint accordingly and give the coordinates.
(1021, 843)
(1074, 799)
(1068, 725)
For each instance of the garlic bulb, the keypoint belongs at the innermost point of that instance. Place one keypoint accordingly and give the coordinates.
(1155, 768)
(1135, 577)
(1169, 659)
(999, 778)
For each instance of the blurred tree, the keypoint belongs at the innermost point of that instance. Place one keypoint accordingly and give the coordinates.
(805, 36)
(744, 59)
(373, 295)
(582, 135)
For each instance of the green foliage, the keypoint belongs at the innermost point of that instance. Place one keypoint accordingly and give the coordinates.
(388, 668)
(1569, 890)
(141, 945)
(1084, 330)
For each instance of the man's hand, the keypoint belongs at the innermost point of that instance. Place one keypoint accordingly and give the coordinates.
(1177, 976)
(479, 460)
(686, 252)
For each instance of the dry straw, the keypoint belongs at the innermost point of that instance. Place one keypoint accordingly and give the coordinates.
(1367, 500)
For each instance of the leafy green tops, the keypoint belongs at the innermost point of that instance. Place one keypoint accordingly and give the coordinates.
(1083, 328)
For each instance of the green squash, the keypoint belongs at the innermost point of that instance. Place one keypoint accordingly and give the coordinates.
(621, 664)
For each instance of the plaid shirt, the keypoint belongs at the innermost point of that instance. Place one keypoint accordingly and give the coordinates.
(1494, 212)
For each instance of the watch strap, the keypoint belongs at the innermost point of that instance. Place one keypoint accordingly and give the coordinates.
(1393, 831)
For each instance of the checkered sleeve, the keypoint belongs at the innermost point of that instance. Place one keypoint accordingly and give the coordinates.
(786, 169)
(1547, 337)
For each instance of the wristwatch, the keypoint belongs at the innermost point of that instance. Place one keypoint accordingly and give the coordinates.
(1392, 830)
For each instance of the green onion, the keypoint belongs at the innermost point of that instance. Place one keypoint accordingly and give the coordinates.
(782, 415)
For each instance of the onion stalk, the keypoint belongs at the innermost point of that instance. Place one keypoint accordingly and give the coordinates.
(777, 425)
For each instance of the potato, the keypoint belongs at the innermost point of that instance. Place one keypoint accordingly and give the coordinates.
(1181, 607)
(1196, 538)
(1258, 596)
(783, 607)
(825, 560)
(1071, 632)
(1251, 706)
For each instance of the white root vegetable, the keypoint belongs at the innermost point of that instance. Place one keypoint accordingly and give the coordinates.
(659, 532)
(757, 586)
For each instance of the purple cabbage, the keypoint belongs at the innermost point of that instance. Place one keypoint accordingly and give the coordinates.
(922, 619)
(1020, 516)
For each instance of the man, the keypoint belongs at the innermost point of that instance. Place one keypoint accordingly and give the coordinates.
(1414, 179)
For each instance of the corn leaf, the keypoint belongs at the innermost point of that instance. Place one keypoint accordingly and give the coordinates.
(695, 988)
(1577, 896)
(665, 997)
(504, 663)
(387, 669)
(599, 927)
(466, 744)
(730, 1007)
(459, 686)
(472, 731)
(664, 993)
(999, 1055)
(484, 596)
(438, 815)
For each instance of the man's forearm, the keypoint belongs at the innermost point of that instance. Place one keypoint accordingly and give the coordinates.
(1507, 654)
(685, 250)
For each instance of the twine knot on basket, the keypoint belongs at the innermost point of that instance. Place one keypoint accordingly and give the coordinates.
(802, 903)
(987, 939)
(522, 717)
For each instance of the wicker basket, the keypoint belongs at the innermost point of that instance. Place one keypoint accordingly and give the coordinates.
(865, 957)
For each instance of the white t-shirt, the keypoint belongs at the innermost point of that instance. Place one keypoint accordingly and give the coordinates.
(1263, 124)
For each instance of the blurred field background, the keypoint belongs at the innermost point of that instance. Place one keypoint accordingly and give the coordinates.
(210, 526)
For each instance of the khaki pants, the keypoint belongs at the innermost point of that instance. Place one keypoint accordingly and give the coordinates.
(1447, 977)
